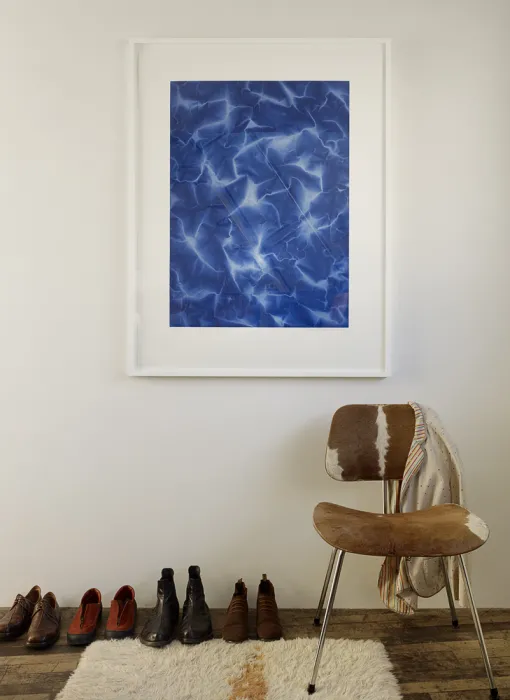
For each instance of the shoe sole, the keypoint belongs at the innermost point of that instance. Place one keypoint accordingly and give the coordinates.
(114, 634)
(80, 640)
(197, 641)
(269, 639)
(42, 645)
(156, 645)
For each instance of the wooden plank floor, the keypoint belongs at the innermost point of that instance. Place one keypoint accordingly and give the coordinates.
(432, 660)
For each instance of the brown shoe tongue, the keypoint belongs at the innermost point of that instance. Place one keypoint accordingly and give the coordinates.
(240, 587)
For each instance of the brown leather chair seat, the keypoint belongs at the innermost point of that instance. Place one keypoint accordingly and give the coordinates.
(444, 530)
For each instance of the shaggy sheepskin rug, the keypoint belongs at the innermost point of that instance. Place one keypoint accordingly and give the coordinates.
(125, 670)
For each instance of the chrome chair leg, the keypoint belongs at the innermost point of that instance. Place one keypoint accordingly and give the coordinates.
(478, 627)
(329, 608)
(451, 601)
(317, 618)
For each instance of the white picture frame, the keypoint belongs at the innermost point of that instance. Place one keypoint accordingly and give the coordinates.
(156, 349)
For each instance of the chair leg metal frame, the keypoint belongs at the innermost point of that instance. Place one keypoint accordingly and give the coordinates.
(478, 628)
(317, 618)
(334, 570)
(337, 561)
(451, 602)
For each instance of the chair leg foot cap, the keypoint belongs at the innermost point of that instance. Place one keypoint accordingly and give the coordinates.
(311, 688)
(317, 621)
(455, 624)
(494, 694)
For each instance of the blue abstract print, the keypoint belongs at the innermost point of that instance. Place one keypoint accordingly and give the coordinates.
(259, 204)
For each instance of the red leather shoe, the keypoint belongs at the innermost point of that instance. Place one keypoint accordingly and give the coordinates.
(83, 628)
(122, 617)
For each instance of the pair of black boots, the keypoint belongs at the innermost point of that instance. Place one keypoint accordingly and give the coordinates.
(196, 624)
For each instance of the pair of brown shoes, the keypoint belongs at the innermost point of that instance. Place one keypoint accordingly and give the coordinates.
(40, 616)
(268, 622)
(121, 620)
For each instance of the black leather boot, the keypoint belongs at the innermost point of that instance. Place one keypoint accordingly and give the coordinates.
(196, 624)
(160, 628)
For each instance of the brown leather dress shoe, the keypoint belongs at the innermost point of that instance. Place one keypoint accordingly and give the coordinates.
(17, 620)
(268, 622)
(122, 617)
(83, 628)
(236, 624)
(45, 626)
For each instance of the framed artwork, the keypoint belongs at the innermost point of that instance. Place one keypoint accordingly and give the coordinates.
(257, 207)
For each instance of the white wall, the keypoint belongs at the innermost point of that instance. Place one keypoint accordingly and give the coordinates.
(106, 479)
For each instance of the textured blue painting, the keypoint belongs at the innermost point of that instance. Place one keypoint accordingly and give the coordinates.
(259, 204)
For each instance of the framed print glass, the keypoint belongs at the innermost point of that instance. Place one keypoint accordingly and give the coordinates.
(257, 207)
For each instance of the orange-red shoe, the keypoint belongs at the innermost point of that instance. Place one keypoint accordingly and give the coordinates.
(122, 617)
(83, 628)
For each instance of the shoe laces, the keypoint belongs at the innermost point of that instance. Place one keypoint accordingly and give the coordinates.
(46, 610)
(22, 602)
(237, 604)
(267, 604)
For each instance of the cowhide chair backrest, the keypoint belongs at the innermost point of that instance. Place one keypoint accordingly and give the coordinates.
(369, 442)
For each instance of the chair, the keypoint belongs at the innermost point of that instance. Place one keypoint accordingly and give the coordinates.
(357, 452)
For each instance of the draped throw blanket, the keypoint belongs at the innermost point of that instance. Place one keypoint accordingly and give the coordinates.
(432, 476)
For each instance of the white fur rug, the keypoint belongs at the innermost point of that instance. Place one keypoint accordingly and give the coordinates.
(215, 670)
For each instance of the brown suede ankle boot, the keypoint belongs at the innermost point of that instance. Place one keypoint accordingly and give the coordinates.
(268, 622)
(236, 624)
